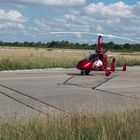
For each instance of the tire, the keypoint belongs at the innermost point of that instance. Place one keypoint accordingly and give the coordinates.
(87, 72)
(82, 73)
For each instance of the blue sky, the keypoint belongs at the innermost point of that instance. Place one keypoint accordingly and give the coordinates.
(32, 20)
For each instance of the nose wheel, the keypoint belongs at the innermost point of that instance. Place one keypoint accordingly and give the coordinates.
(82, 72)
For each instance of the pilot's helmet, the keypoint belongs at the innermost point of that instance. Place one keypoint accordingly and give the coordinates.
(98, 63)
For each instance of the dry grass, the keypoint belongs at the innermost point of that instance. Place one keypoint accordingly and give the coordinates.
(30, 58)
(107, 126)
(28, 52)
(130, 59)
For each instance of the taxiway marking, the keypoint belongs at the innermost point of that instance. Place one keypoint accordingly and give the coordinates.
(26, 78)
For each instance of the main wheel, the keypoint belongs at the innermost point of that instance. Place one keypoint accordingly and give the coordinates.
(82, 72)
(87, 72)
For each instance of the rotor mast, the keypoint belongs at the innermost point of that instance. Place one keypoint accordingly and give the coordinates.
(99, 49)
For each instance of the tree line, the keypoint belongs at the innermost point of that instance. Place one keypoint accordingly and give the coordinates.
(69, 45)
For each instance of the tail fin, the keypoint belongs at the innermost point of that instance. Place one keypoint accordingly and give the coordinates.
(124, 67)
(113, 64)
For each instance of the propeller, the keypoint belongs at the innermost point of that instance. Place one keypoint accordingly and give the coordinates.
(97, 34)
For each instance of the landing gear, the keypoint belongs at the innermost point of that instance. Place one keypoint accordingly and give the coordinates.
(86, 72)
(82, 72)
(107, 72)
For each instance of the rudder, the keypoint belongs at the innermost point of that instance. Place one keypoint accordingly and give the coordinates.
(113, 64)
(124, 67)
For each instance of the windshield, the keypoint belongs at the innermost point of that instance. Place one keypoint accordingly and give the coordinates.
(92, 57)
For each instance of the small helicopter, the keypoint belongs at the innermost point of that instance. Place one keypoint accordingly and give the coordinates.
(97, 62)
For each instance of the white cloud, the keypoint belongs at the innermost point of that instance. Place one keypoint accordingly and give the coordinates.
(70, 17)
(12, 15)
(99, 28)
(78, 34)
(10, 25)
(116, 18)
(74, 12)
(136, 9)
(11, 19)
(47, 2)
(42, 24)
(118, 9)
(68, 22)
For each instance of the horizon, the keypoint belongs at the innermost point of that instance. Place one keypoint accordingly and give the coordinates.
(68, 42)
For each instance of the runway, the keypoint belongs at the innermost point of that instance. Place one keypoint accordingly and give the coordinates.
(51, 91)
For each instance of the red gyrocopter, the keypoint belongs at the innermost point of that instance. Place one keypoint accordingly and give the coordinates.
(97, 62)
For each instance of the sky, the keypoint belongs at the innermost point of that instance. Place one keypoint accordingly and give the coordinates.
(35, 20)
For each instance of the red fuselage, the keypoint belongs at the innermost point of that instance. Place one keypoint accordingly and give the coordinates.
(87, 64)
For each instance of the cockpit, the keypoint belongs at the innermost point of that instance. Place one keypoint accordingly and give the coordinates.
(92, 57)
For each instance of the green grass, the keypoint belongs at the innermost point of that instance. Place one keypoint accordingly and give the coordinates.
(36, 62)
(25, 58)
(130, 61)
(107, 126)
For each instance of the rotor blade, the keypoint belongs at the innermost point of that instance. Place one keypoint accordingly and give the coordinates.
(75, 32)
(119, 37)
(97, 34)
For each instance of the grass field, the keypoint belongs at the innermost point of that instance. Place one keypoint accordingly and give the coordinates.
(90, 126)
(30, 58)
(107, 126)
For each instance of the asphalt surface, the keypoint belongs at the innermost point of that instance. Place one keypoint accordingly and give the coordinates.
(33, 92)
